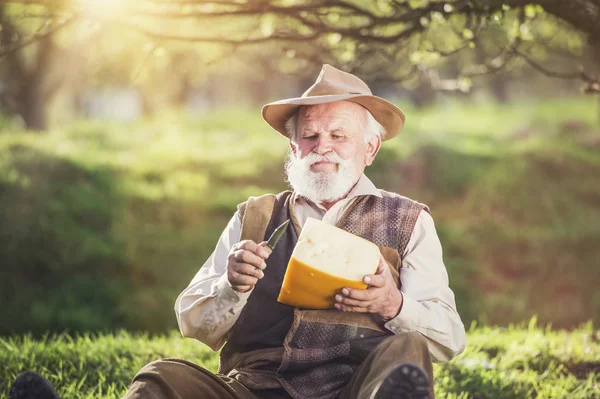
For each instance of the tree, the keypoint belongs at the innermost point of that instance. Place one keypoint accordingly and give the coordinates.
(422, 31)
(29, 78)
(448, 43)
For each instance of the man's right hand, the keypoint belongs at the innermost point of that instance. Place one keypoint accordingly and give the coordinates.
(245, 264)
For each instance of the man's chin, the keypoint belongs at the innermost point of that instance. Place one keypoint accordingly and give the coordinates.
(324, 167)
(324, 188)
(322, 181)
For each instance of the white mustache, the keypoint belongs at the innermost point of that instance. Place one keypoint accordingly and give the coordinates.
(312, 158)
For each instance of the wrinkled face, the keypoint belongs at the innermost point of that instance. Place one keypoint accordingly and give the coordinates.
(329, 154)
(336, 127)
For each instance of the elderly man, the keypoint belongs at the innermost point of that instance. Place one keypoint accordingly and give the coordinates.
(377, 343)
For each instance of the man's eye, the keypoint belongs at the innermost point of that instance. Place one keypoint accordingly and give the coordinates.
(338, 136)
(309, 137)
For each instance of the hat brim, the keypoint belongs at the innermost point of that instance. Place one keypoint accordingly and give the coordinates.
(391, 117)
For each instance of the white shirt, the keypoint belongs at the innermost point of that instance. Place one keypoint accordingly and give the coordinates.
(208, 308)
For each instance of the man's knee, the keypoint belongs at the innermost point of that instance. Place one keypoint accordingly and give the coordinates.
(153, 365)
(411, 339)
(416, 338)
(407, 347)
(163, 368)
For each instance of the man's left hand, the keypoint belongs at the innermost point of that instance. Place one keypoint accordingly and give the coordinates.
(382, 296)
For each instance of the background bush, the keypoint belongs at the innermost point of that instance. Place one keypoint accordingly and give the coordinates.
(104, 224)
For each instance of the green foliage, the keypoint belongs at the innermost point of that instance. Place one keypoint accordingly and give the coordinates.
(93, 365)
(525, 361)
(60, 260)
(104, 224)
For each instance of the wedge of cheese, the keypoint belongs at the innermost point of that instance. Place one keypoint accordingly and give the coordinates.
(325, 260)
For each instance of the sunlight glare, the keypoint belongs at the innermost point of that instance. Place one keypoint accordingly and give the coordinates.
(103, 7)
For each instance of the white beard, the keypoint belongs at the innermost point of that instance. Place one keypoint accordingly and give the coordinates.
(321, 186)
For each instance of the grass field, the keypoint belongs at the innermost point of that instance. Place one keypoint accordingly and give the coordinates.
(524, 361)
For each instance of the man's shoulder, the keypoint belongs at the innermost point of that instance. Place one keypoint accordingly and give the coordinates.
(402, 200)
(265, 200)
(391, 194)
(268, 197)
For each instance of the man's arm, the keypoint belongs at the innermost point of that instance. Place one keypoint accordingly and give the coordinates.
(425, 302)
(209, 307)
(428, 304)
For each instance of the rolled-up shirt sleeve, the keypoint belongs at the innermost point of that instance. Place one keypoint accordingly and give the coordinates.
(208, 308)
(429, 306)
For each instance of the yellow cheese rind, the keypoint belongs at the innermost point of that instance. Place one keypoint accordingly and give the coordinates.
(325, 260)
(309, 288)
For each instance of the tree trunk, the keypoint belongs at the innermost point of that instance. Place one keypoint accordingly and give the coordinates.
(499, 88)
(181, 96)
(37, 92)
(594, 42)
(149, 106)
(423, 95)
(496, 82)
(32, 81)
(35, 112)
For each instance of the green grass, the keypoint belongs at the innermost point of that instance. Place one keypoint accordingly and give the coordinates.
(523, 361)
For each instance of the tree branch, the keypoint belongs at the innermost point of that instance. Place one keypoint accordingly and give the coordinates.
(379, 28)
(37, 37)
(592, 84)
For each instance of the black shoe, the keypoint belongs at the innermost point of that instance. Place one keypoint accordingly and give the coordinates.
(30, 385)
(405, 381)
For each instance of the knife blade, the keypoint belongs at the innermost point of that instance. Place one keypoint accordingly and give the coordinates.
(276, 235)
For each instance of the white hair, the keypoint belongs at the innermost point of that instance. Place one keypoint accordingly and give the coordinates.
(371, 127)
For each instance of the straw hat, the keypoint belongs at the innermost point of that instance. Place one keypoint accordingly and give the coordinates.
(334, 85)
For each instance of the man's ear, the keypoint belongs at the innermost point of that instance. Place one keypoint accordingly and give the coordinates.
(373, 147)
(294, 148)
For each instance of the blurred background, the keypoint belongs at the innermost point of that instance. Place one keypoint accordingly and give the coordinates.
(130, 130)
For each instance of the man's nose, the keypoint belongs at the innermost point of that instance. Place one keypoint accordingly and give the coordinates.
(323, 145)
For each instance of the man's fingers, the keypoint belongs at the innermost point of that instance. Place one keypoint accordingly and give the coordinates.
(361, 295)
(244, 256)
(383, 265)
(258, 249)
(351, 302)
(245, 264)
(248, 245)
(249, 270)
(375, 280)
(242, 279)
(263, 250)
(241, 288)
(348, 308)
(378, 279)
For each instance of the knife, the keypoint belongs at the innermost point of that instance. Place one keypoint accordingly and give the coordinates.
(276, 235)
